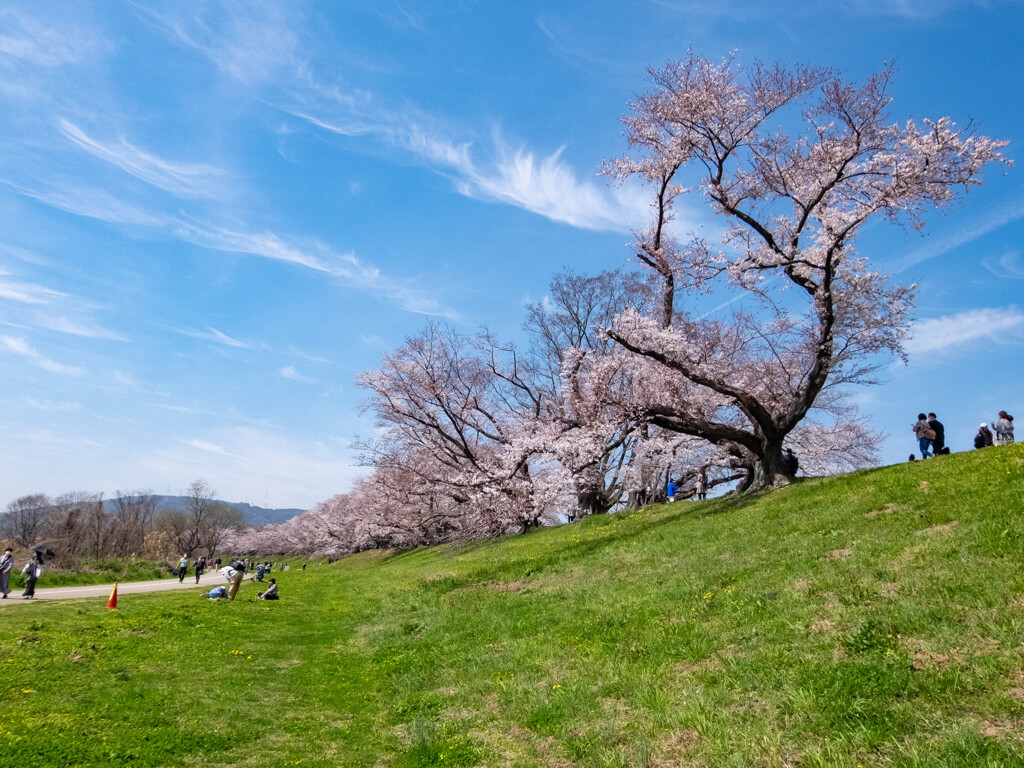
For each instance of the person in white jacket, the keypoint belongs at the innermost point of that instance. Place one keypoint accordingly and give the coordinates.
(234, 577)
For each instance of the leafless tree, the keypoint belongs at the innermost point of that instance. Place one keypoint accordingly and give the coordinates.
(132, 519)
(25, 519)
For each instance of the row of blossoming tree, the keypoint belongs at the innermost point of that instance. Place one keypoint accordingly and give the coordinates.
(625, 381)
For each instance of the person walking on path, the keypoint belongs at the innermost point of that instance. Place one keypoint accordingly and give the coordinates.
(1004, 429)
(200, 567)
(702, 484)
(984, 437)
(6, 566)
(182, 568)
(939, 443)
(924, 434)
(32, 570)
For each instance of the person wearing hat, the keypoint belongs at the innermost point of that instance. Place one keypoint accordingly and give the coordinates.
(6, 566)
(984, 437)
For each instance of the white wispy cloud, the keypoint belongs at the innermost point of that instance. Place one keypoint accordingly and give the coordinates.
(245, 463)
(316, 256)
(212, 334)
(950, 332)
(203, 445)
(1009, 266)
(77, 327)
(182, 179)
(49, 405)
(745, 10)
(249, 41)
(48, 43)
(550, 187)
(19, 346)
(90, 202)
(545, 185)
(26, 293)
(995, 217)
(260, 46)
(311, 254)
(38, 306)
(311, 358)
(290, 372)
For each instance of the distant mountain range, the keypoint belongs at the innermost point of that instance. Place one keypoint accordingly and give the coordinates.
(250, 514)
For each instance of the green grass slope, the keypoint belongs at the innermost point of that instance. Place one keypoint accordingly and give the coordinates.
(872, 619)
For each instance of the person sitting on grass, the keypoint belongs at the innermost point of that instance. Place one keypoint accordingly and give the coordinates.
(271, 593)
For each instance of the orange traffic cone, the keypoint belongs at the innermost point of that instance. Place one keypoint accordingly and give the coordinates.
(112, 602)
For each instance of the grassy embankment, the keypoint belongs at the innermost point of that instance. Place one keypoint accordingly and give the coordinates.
(873, 619)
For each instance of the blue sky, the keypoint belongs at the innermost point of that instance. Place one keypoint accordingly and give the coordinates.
(213, 215)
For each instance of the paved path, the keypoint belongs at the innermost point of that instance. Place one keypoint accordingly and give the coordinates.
(209, 579)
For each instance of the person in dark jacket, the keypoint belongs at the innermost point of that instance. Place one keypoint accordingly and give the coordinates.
(792, 462)
(984, 437)
(939, 443)
(32, 570)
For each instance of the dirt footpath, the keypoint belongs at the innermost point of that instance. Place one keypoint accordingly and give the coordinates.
(210, 579)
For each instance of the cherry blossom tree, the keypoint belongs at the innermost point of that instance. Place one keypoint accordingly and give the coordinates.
(456, 415)
(796, 161)
(590, 439)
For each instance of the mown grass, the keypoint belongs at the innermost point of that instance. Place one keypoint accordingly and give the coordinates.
(871, 619)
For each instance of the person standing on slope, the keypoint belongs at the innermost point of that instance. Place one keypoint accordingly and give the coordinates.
(924, 435)
(939, 443)
(792, 462)
(702, 484)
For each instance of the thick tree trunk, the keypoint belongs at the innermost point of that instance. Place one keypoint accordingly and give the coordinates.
(770, 470)
(592, 503)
